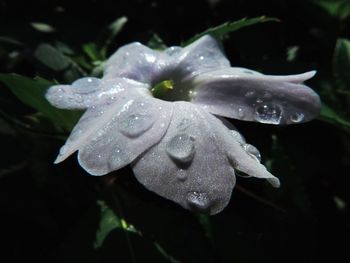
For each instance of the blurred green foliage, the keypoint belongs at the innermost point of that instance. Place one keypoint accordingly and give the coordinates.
(61, 214)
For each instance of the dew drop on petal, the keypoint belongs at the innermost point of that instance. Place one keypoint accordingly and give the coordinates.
(240, 113)
(249, 94)
(181, 175)
(173, 50)
(198, 201)
(136, 124)
(252, 151)
(181, 148)
(86, 85)
(117, 158)
(297, 117)
(269, 113)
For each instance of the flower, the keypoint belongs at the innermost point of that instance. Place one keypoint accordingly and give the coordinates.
(179, 146)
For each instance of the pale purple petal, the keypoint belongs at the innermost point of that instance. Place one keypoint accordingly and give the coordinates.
(136, 61)
(112, 135)
(201, 56)
(189, 165)
(248, 95)
(87, 92)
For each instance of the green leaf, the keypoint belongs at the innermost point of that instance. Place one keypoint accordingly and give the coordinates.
(42, 27)
(168, 257)
(332, 117)
(51, 57)
(337, 8)
(341, 63)
(10, 40)
(114, 28)
(64, 48)
(108, 222)
(204, 221)
(91, 51)
(229, 27)
(156, 43)
(32, 93)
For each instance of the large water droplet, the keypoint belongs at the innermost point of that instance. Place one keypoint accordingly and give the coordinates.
(268, 113)
(199, 202)
(136, 124)
(297, 117)
(86, 85)
(252, 151)
(181, 148)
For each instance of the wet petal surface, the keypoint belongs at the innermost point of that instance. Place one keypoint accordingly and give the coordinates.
(189, 165)
(256, 97)
(110, 136)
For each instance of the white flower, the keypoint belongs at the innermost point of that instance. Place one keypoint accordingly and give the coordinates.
(176, 146)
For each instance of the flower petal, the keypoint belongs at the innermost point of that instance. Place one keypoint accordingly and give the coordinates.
(136, 61)
(189, 165)
(243, 157)
(88, 91)
(247, 95)
(111, 135)
(201, 56)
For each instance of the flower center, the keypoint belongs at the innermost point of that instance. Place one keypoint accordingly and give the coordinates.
(171, 90)
(160, 89)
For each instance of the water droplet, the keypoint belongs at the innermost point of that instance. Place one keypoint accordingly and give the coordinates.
(198, 201)
(136, 124)
(269, 113)
(117, 158)
(173, 50)
(252, 151)
(86, 85)
(201, 57)
(181, 175)
(250, 94)
(181, 148)
(297, 117)
(240, 113)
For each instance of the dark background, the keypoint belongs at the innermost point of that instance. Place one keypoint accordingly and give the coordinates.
(50, 213)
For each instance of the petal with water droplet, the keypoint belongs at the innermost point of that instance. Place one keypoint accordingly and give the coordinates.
(255, 97)
(88, 92)
(137, 62)
(206, 170)
(202, 55)
(106, 145)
